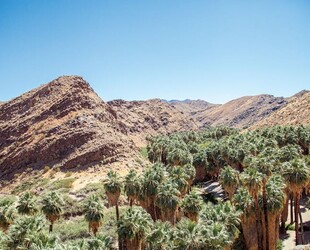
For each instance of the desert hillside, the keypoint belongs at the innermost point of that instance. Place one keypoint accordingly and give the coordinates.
(191, 107)
(65, 124)
(296, 112)
(240, 112)
(150, 117)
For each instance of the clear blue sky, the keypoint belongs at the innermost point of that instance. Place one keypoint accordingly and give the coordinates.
(209, 49)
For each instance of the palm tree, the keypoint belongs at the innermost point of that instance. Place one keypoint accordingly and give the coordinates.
(7, 214)
(132, 186)
(113, 187)
(245, 203)
(180, 179)
(24, 231)
(27, 204)
(94, 213)
(149, 187)
(190, 171)
(188, 235)
(133, 228)
(101, 242)
(225, 214)
(168, 200)
(216, 236)
(160, 236)
(192, 205)
(52, 208)
(252, 179)
(297, 175)
(229, 179)
(275, 199)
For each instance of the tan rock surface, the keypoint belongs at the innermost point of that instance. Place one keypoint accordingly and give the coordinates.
(297, 111)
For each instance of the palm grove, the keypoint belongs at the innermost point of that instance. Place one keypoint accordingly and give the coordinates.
(263, 172)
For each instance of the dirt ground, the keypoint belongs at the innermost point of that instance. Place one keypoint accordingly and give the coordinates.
(289, 238)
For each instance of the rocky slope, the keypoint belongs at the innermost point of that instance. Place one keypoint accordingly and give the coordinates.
(191, 107)
(151, 117)
(65, 124)
(240, 112)
(297, 111)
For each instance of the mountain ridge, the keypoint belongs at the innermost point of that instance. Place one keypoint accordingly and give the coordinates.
(65, 124)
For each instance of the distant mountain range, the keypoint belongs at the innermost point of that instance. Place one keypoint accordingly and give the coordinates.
(64, 123)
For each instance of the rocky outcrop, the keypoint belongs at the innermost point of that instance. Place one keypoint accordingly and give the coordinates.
(151, 117)
(241, 112)
(191, 107)
(63, 123)
(296, 112)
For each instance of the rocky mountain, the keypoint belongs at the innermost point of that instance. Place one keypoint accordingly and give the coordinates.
(297, 111)
(191, 107)
(65, 124)
(240, 112)
(151, 117)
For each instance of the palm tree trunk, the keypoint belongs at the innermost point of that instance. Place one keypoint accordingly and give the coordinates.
(51, 227)
(265, 215)
(296, 209)
(258, 224)
(301, 228)
(117, 212)
(292, 218)
(284, 215)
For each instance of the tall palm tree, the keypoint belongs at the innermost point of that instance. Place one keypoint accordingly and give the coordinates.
(252, 179)
(224, 213)
(7, 214)
(192, 205)
(180, 178)
(113, 186)
(243, 201)
(168, 200)
(94, 213)
(132, 186)
(133, 228)
(229, 179)
(190, 171)
(275, 199)
(52, 208)
(27, 204)
(297, 175)
(152, 178)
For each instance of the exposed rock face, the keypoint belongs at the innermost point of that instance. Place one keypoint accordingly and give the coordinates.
(63, 123)
(191, 107)
(151, 117)
(297, 111)
(240, 112)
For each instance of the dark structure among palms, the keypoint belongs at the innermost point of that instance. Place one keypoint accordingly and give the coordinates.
(94, 212)
(27, 204)
(52, 208)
